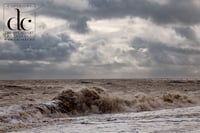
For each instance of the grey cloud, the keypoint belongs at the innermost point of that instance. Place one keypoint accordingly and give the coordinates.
(163, 54)
(34, 70)
(175, 11)
(157, 58)
(164, 60)
(173, 71)
(186, 32)
(17, 67)
(46, 47)
(16, 71)
(77, 19)
(80, 25)
(59, 11)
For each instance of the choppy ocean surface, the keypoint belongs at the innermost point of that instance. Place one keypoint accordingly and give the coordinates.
(180, 120)
(100, 106)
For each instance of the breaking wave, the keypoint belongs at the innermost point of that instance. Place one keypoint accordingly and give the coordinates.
(97, 100)
(93, 100)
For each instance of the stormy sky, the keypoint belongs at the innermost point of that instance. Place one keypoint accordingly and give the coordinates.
(106, 39)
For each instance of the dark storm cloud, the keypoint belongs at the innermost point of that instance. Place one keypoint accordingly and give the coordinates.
(186, 32)
(45, 47)
(173, 11)
(80, 25)
(16, 67)
(17, 71)
(164, 54)
(52, 9)
(173, 71)
(181, 11)
(51, 55)
(78, 19)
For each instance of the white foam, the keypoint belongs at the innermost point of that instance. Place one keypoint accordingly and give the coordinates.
(181, 120)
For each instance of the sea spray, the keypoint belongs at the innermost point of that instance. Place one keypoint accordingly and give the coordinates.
(92, 100)
(97, 100)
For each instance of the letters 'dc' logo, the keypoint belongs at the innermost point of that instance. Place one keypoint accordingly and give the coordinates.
(19, 21)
